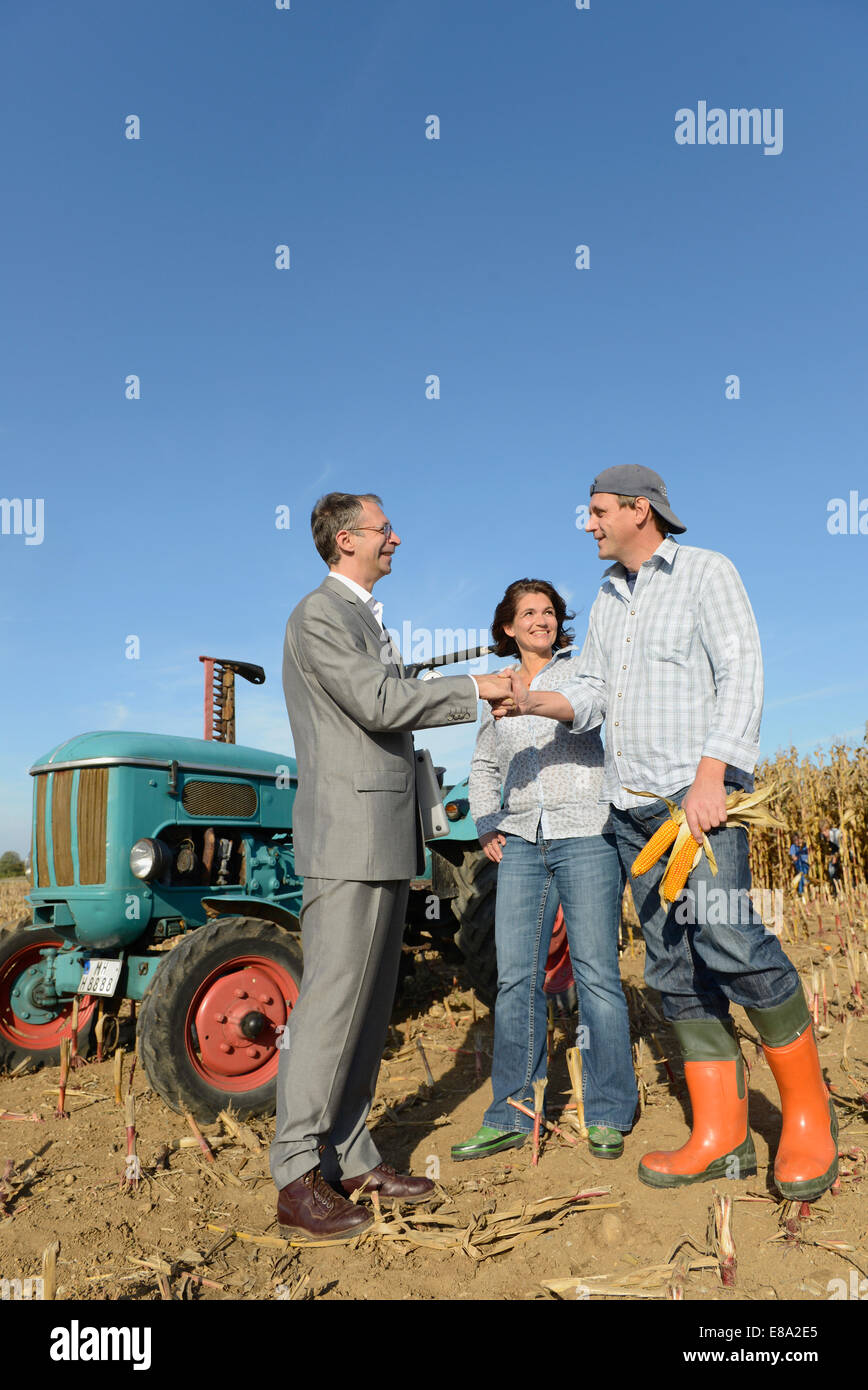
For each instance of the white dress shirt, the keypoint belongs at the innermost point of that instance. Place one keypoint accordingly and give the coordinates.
(367, 598)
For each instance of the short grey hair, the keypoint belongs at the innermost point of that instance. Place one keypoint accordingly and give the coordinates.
(337, 511)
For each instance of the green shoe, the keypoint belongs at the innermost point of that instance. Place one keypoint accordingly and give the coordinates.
(604, 1142)
(487, 1141)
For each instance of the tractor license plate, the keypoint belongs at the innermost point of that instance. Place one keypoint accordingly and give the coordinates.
(100, 977)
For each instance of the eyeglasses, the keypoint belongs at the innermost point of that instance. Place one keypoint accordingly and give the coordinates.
(385, 530)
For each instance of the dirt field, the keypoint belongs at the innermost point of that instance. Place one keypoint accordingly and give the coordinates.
(482, 1238)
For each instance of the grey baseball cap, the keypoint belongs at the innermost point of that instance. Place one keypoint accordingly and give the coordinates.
(632, 480)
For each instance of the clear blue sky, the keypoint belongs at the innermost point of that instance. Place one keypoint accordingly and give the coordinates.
(411, 257)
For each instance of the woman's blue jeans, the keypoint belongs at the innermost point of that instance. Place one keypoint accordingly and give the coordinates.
(583, 874)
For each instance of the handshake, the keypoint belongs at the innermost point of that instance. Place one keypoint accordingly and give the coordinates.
(506, 692)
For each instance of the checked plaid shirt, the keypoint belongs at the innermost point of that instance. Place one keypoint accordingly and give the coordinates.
(675, 668)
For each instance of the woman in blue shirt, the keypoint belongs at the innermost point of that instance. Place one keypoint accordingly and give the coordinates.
(535, 797)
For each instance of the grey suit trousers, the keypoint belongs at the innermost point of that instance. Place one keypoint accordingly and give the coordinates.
(330, 1058)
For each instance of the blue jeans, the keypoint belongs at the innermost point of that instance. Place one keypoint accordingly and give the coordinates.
(585, 875)
(710, 946)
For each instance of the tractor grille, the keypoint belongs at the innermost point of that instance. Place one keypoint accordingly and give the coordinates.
(61, 828)
(235, 799)
(87, 811)
(39, 855)
(92, 802)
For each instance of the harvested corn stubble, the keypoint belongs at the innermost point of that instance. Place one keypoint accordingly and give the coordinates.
(132, 1167)
(75, 1060)
(429, 1075)
(720, 1238)
(517, 1105)
(653, 1281)
(5, 1187)
(188, 1142)
(49, 1270)
(574, 1067)
(486, 1235)
(98, 1028)
(199, 1136)
(539, 1089)
(240, 1131)
(477, 1053)
(61, 1113)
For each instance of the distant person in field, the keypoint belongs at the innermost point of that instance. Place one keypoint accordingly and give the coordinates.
(672, 661)
(830, 849)
(801, 862)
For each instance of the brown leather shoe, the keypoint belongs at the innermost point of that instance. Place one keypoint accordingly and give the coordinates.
(309, 1207)
(384, 1180)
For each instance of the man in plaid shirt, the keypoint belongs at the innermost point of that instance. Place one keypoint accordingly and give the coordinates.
(672, 662)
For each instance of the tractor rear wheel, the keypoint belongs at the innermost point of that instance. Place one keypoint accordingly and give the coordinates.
(474, 908)
(29, 1030)
(211, 1023)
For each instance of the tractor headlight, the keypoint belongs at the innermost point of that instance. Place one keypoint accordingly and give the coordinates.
(456, 809)
(150, 859)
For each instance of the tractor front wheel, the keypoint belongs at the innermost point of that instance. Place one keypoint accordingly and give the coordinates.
(211, 1024)
(32, 1029)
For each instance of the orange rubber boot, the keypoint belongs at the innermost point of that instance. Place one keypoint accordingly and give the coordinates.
(806, 1163)
(720, 1145)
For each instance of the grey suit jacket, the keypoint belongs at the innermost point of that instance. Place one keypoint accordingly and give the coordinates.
(352, 710)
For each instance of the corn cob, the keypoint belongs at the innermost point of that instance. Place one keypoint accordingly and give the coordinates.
(685, 856)
(655, 848)
(742, 808)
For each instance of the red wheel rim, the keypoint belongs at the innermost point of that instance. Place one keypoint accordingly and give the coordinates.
(35, 1037)
(235, 1022)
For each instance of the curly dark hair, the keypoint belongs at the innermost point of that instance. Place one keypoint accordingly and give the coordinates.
(506, 610)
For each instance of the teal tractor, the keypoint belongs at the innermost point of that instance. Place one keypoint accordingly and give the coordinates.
(163, 873)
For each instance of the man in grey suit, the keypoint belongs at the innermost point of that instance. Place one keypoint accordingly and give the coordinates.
(357, 845)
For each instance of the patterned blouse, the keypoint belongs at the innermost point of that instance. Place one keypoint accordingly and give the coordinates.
(528, 769)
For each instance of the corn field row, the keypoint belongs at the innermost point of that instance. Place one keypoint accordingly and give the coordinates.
(13, 907)
(829, 788)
